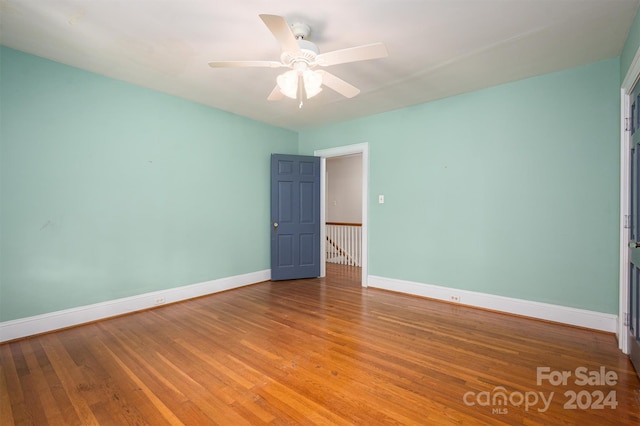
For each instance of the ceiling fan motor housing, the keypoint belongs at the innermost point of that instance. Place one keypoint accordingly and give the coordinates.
(308, 52)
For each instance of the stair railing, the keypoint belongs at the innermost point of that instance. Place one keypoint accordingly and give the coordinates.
(344, 243)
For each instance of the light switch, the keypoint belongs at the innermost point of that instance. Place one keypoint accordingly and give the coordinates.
(380, 199)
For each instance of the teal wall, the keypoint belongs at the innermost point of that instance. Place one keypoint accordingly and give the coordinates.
(512, 190)
(111, 190)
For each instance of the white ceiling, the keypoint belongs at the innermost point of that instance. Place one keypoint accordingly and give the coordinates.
(436, 48)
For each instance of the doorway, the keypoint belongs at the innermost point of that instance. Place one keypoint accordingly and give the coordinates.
(324, 154)
(344, 211)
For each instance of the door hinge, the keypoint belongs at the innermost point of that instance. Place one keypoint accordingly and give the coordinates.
(627, 221)
(627, 319)
(627, 124)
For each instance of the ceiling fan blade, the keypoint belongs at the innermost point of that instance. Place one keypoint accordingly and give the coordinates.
(352, 54)
(338, 84)
(275, 94)
(281, 31)
(239, 64)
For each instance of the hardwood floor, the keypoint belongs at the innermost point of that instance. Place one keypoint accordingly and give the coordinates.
(320, 351)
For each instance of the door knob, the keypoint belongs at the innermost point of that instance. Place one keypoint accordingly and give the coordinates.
(275, 226)
(634, 244)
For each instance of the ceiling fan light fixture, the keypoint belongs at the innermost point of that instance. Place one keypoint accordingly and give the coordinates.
(312, 83)
(288, 83)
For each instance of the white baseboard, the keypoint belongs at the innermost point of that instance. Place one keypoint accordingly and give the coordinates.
(23, 327)
(29, 326)
(562, 314)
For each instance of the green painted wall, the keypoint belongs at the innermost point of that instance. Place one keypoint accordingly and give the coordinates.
(512, 190)
(110, 190)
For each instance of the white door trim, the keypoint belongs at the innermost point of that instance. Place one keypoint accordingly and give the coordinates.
(363, 149)
(633, 74)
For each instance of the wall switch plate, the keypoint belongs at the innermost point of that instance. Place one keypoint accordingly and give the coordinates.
(380, 199)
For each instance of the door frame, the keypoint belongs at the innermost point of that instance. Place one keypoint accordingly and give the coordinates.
(630, 80)
(363, 149)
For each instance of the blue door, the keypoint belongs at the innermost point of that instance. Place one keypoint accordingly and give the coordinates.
(295, 217)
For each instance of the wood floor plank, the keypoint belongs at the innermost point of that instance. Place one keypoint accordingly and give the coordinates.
(317, 351)
(11, 401)
(72, 379)
(164, 412)
(38, 367)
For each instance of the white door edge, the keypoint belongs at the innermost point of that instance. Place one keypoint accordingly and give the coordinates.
(633, 74)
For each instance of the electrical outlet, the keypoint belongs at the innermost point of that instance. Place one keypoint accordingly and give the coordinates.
(160, 301)
(455, 298)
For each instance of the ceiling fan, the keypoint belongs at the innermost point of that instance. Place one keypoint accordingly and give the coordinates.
(303, 80)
